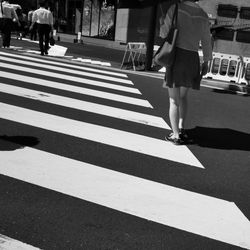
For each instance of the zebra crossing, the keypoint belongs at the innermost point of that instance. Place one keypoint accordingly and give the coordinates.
(88, 92)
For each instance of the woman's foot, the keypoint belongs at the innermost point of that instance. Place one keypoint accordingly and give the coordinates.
(183, 134)
(185, 137)
(174, 140)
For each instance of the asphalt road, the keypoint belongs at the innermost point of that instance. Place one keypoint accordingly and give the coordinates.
(50, 135)
(85, 50)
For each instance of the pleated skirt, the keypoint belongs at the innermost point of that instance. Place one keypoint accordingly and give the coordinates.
(185, 71)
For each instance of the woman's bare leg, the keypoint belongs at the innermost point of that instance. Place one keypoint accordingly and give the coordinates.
(174, 103)
(183, 107)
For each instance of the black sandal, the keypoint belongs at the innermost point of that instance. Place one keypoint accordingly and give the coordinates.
(183, 134)
(175, 141)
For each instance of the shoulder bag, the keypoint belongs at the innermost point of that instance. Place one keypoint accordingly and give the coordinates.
(165, 55)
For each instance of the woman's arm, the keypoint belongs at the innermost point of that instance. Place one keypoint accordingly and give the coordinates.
(206, 42)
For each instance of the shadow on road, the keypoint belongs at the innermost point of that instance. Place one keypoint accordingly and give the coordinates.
(9, 143)
(221, 138)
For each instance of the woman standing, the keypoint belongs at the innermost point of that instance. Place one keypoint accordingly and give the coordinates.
(193, 26)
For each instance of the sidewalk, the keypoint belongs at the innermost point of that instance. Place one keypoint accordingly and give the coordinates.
(105, 51)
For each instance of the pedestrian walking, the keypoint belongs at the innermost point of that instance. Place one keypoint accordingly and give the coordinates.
(44, 19)
(23, 20)
(33, 30)
(186, 73)
(8, 14)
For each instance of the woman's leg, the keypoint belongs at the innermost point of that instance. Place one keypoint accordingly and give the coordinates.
(174, 103)
(183, 108)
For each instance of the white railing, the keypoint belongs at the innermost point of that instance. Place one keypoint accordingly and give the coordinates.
(229, 68)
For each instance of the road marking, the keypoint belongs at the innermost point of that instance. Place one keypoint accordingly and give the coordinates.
(7, 243)
(66, 70)
(192, 212)
(113, 137)
(107, 64)
(85, 60)
(76, 89)
(65, 64)
(85, 106)
(66, 77)
(111, 86)
(55, 50)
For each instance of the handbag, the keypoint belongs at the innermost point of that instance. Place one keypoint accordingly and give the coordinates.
(52, 41)
(165, 55)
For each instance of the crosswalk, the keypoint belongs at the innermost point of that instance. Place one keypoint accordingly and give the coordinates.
(104, 107)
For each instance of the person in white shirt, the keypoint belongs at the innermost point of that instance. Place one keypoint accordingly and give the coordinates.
(8, 14)
(44, 20)
(193, 26)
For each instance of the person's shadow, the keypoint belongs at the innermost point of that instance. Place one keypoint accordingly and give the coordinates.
(9, 143)
(221, 138)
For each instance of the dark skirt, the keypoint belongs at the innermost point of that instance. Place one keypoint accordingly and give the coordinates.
(185, 71)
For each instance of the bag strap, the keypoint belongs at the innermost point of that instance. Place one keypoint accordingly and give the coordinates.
(175, 16)
(1, 7)
(162, 13)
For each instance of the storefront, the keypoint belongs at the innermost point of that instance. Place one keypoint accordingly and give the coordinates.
(93, 18)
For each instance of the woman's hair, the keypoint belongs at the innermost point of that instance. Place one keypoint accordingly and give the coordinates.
(42, 3)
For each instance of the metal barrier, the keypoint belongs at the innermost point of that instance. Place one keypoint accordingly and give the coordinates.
(245, 73)
(225, 67)
(134, 51)
(229, 68)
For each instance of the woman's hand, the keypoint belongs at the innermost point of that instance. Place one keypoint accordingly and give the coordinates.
(204, 68)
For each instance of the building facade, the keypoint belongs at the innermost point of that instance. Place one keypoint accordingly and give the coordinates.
(93, 18)
(96, 18)
(234, 38)
(102, 19)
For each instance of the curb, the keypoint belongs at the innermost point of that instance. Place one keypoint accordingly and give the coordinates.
(227, 86)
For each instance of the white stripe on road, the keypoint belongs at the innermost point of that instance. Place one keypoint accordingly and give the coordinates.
(85, 106)
(192, 212)
(10, 75)
(55, 50)
(66, 70)
(114, 137)
(65, 65)
(76, 89)
(66, 77)
(7, 243)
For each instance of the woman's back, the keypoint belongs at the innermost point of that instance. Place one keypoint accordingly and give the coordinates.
(192, 21)
(193, 26)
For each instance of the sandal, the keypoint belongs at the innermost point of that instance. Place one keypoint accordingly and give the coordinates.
(175, 141)
(183, 134)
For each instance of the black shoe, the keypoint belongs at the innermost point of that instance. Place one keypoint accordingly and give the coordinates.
(175, 141)
(183, 134)
(46, 52)
(42, 53)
